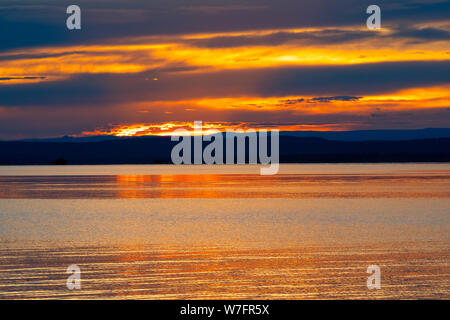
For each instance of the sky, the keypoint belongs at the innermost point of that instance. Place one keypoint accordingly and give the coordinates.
(149, 67)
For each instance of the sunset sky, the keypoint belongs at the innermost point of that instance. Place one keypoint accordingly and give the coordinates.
(149, 67)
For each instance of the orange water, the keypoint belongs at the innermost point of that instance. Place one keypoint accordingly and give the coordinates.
(210, 233)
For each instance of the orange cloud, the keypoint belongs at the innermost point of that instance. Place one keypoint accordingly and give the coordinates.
(158, 52)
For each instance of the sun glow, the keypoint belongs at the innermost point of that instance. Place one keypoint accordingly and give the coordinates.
(170, 128)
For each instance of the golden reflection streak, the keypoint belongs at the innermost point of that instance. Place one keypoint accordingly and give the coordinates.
(168, 186)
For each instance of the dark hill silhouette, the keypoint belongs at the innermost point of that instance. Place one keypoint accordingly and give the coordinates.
(151, 150)
(375, 135)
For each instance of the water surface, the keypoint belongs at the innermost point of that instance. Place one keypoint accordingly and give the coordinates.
(168, 232)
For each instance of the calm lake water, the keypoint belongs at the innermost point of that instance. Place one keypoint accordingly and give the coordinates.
(213, 232)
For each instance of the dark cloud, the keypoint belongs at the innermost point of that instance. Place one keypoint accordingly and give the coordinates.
(336, 98)
(332, 36)
(288, 102)
(322, 37)
(292, 101)
(22, 78)
(360, 79)
(424, 34)
(14, 56)
(344, 81)
(27, 23)
(406, 11)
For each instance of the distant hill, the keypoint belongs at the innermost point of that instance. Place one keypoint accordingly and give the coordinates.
(371, 135)
(152, 150)
(357, 135)
(75, 139)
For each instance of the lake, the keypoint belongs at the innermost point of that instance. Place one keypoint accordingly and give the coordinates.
(225, 232)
